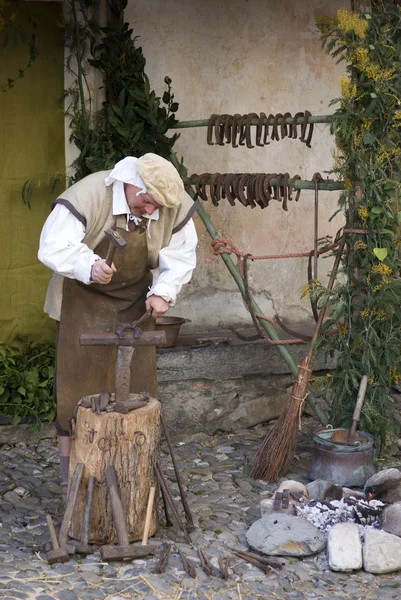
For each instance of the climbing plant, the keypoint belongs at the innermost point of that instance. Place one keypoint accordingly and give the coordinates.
(364, 329)
(133, 120)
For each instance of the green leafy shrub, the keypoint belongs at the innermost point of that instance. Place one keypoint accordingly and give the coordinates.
(364, 327)
(26, 381)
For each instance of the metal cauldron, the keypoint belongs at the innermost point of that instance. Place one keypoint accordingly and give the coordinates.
(349, 465)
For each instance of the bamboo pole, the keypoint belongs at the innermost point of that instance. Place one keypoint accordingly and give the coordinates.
(288, 121)
(272, 333)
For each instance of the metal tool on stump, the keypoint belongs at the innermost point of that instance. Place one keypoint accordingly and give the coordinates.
(84, 547)
(126, 343)
(123, 551)
(69, 509)
(116, 242)
(57, 555)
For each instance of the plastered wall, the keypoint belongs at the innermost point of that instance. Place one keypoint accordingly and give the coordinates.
(242, 56)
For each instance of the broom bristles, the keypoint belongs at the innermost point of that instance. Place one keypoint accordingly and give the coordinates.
(277, 450)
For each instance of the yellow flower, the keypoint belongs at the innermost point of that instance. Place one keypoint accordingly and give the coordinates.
(308, 289)
(349, 21)
(366, 123)
(382, 269)
(371, 69)
(365, 313)
(363, 213)
(342, 330)
(360, 245)
(381, 315)
(348, 88)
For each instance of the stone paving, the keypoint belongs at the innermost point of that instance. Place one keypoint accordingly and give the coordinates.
(225, 502)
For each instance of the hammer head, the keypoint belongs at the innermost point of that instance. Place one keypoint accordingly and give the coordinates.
(57, 556)
(115, 239)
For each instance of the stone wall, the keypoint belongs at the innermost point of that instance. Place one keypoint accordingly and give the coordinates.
(224, 387)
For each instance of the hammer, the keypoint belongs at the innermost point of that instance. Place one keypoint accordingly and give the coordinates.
(115, 242)
(84, 547)
(123, 551)
(69, 509)
(57, 555)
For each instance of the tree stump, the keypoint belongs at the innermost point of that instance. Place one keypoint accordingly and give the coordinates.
(129, 442)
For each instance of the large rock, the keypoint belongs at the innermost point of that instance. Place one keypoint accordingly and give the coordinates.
(297, 490)
(324, 490)
(390, 519)
(344, 547)
(285, 535)
(267, 504)
(385, 485)
(381, 552)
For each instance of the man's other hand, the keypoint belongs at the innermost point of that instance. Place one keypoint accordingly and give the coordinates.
(158, 305)
(102, 273)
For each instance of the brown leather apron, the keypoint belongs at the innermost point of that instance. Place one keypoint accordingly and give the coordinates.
(96, 308)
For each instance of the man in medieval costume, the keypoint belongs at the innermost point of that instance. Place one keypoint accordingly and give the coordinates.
(144, 201)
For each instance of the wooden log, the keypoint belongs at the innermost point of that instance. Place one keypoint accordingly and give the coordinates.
(128, 442)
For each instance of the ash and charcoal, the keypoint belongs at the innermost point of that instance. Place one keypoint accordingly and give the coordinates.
(325, 514)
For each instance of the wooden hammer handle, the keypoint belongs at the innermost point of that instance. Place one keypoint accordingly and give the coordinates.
(88, 510)
(116, 506)
(69, 509)
(110, 254)
(148, 517)
(52, 531)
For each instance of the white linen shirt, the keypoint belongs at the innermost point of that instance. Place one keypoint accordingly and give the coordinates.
(61, 248)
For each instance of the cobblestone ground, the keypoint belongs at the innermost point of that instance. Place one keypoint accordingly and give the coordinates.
(224, 500)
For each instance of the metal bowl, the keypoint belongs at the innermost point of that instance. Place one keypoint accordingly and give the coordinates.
(172, 326)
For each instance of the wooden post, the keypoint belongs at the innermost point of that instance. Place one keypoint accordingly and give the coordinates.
(130, 443)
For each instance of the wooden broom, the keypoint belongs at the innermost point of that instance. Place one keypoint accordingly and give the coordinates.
(277, 450)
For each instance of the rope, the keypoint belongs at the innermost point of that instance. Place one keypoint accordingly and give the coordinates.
(225, 246)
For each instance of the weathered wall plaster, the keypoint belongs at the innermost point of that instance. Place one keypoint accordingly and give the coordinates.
(246, 56)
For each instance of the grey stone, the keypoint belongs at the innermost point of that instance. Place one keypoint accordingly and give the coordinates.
(297, 490)
(390, 519)
(324, 490)
(285, 535)
(66, 595)
(385, 485)
(344, 547)
(11, 497)
(266, 508)
(381, 552)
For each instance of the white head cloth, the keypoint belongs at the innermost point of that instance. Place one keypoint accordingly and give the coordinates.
(126, 171)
